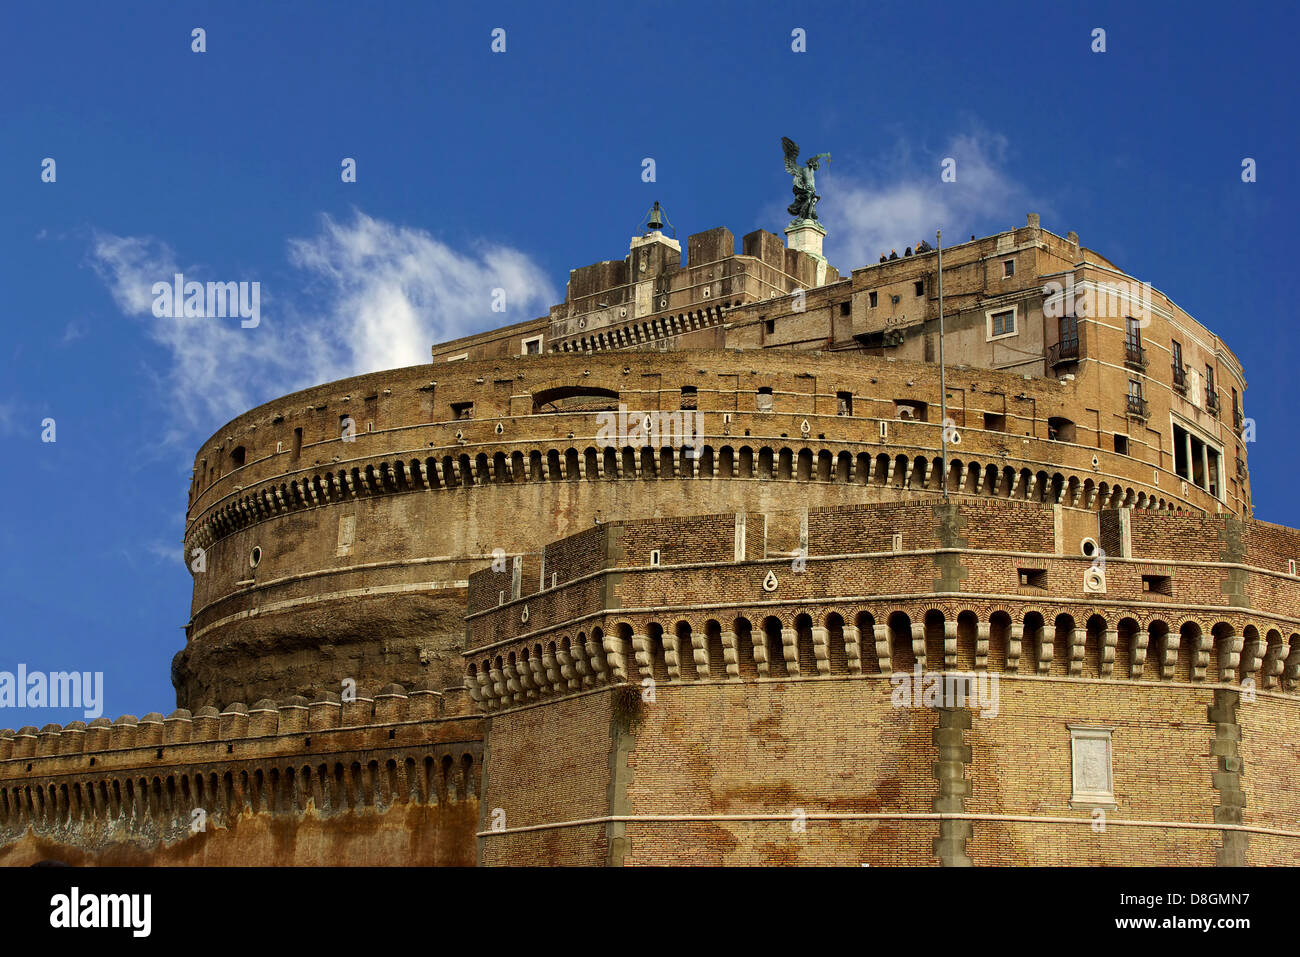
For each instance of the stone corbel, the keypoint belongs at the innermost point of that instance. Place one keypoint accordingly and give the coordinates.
(884, 654)
(853, 649)
(700, 650)
(1108, 652)
(1015, 643)
(821, 639)
(641, 652)
(790, 649)
(730, 655)
(1078, 641)
(918, 644)
(615, 656)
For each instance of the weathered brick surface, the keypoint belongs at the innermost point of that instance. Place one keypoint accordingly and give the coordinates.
(549, 765)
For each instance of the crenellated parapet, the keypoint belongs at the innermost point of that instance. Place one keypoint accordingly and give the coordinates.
(164, 779)
(1021, 590)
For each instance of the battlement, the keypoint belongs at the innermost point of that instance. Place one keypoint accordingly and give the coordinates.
(873, 589)
(148, 781)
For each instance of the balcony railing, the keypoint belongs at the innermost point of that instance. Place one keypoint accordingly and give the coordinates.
(1067, 350)
(1137, 406)
(1212, 403)
(1134, 354)
(1238, 421)
(1241, 468)
(1180, 377)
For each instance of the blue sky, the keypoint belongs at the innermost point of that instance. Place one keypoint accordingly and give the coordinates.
(478, 169)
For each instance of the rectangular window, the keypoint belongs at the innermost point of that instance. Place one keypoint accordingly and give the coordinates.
(845, 403)
(764, 399)
(1137, 405)
(1090, 759)
(844, 309)
(769, 326)
(1132, 331)
(1121, 444)
(872, 297)
(910, 411)
(1033, 578)
(690, 397)
(1133, 351)
(1008, 268)
(1067, 341)
(462, 410)
(532, 347)
(995, 422)
(1158, 585)
(919, 286)
(1002, 323)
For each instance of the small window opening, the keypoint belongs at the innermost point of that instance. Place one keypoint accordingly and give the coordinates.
(1158, 585)
(1033, 578)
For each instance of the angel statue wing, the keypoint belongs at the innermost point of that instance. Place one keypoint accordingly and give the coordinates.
(791, 155)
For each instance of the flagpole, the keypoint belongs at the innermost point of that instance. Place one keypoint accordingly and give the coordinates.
(943, 381)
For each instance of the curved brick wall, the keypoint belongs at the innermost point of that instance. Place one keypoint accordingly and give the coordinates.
(365, 546)
(767, 700)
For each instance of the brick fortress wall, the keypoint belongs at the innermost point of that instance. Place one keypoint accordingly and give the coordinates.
(770, 734)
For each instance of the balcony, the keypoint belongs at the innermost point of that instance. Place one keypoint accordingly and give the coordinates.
(1180, 378)
(1238, 421)
(1241, 468)
(1134, 355)
(1137, 407)
(1063, 352)
(1212, 403)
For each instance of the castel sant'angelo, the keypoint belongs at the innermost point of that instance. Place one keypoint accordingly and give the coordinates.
(707, 567)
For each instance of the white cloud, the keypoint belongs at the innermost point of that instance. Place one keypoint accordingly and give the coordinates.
(902, 200)
(372, 296)
(393, 291)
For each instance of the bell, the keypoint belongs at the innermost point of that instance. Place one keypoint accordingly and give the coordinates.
(656, 220)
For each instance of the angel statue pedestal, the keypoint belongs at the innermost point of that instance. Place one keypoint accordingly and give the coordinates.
(806, 235)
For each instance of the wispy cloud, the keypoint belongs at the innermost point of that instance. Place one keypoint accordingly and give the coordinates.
(368, 295)
(74, 330)
(392, 291)
(899, 199)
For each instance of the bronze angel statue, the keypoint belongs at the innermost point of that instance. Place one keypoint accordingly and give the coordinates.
(805, 190)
